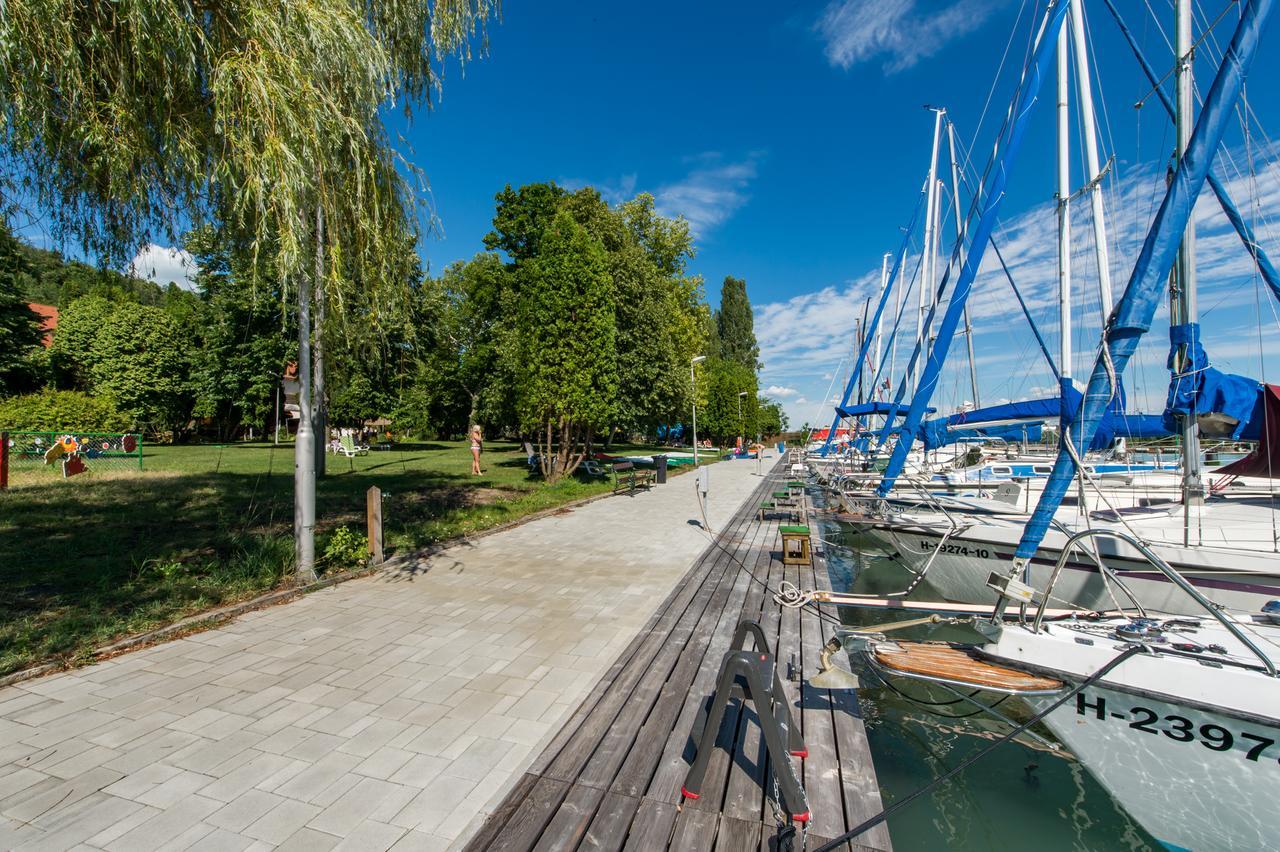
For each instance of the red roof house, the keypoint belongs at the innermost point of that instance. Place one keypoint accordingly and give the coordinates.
(48, 321)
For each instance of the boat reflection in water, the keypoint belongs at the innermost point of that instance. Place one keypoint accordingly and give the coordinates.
(1023, 795)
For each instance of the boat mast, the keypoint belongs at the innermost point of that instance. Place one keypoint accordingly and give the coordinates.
(893, 341)
(1182, 302)
(884, 282)
(930, 225)
(1085, 88)
(1064, 214)
(955, 196)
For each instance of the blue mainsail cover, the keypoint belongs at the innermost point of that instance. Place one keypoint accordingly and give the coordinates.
(882, 409)
(939, 433)
(1200, 389)
(967, 424)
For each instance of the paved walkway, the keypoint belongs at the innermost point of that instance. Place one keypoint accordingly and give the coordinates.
(387, 712)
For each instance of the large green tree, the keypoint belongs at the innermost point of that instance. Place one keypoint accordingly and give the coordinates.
(735, 326)
(660, 316)
(139, 363)
(731, 407)
(567, 337)
(79, 324)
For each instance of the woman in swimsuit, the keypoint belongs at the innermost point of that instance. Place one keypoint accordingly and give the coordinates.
(477, 444)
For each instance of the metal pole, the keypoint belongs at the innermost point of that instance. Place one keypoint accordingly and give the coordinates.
(693, 388)
(930, 225)
(884, 282)
(304, 456)
(1085, 88)
(1064, 211)
(955, 193)
(1183, 308)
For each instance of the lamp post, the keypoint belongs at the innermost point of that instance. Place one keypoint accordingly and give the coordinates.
(693, 388)
(742, 426)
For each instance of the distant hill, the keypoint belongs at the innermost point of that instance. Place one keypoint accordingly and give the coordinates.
(51, 279)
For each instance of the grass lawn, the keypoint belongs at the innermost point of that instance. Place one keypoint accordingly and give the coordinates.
(92, 558)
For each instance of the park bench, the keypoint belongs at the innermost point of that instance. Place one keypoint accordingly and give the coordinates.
(629, 478)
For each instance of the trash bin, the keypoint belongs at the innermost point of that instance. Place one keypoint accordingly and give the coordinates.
(660, 465)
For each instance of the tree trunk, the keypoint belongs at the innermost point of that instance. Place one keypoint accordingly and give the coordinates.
(577, 458)
(566, 445)
(546, 461)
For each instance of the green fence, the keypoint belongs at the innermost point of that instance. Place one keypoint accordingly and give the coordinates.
(31, 458)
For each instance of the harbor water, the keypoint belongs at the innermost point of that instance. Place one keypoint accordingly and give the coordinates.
(1024, 795)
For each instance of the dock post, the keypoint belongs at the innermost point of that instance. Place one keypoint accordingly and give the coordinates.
(373, 518)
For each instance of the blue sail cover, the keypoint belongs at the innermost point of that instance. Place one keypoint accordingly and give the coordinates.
(966, 425)
(939, 433)
(1132, 316)
(882, 409)
(1200, 389)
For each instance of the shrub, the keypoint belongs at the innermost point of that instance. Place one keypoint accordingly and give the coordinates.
(345, 550)
(54, 410)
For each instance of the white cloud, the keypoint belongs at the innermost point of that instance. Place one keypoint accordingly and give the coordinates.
(856, 31)
(164, 265)
(614, 192)
(712, 191)
(780, 391)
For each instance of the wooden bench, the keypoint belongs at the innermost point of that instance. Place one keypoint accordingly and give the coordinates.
(629, 478)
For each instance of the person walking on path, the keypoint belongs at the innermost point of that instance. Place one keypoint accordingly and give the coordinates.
(477, 444)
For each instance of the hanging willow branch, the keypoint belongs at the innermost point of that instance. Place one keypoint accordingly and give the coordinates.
(128, 118)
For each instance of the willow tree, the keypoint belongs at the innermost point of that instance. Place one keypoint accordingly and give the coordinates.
(127, 119)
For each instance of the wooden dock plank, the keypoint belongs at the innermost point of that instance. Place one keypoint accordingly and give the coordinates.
(695, 831)
(608, 831)
(858, 782)
(611, 777)
(736, 835)
(653, 824)
(569, 825)
(536, 809)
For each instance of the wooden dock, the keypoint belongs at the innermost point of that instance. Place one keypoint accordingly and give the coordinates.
(611, 777)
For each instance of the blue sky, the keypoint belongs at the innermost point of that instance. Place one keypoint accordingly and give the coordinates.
(793, 137)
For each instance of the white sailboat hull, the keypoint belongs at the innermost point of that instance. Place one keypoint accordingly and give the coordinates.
(957, 568)
(1154, 758)
(1190, 750)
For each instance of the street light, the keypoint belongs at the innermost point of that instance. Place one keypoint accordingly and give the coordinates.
(742, 427)
(693, 386)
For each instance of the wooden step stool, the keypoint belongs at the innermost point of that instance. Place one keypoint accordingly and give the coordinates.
(795, 545)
